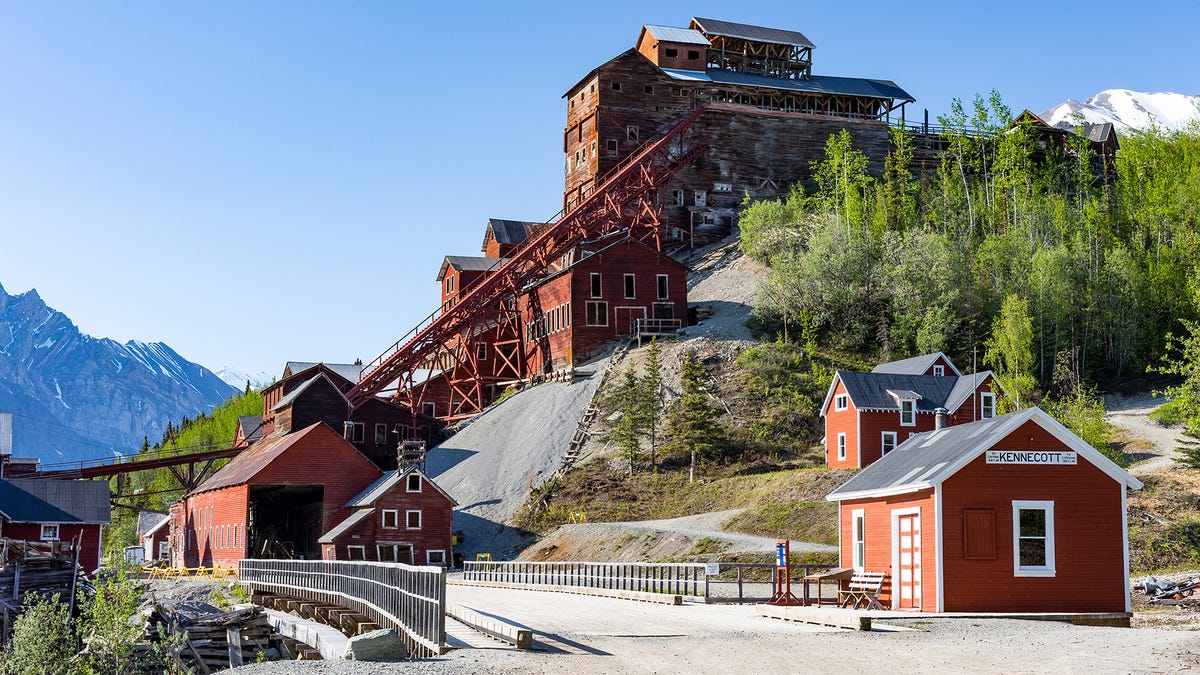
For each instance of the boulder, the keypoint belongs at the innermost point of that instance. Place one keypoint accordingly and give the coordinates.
(378, 645)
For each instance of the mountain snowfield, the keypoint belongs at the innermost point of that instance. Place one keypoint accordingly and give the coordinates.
(1128, 109)
(77, 397)
(237, 378)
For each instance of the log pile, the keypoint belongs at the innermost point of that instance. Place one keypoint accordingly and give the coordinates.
(28, 570)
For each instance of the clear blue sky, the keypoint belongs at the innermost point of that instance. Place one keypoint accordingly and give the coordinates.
(253, 182)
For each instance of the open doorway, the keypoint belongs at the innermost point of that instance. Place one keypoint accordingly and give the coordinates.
(285, 521)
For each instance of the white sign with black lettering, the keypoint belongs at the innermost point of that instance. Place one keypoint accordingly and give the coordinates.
(712, 569)
(1058, 457)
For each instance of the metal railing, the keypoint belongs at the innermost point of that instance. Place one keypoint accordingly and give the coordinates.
(734, 583)
(410, 599)
(669, 578)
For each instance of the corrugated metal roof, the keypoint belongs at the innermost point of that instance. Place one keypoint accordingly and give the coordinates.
(916, 365)
(817, 84)
(27, 500)
(748, 32)
(928, 458)
(349, 371)
(148, 521)
(245, 466)
(669, 34)
(514, 232)
(467, 263)
(345, 526)
(963, 388)
(251, 426)
(389, 480)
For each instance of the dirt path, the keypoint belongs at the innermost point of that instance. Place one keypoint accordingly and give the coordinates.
(1132, 413)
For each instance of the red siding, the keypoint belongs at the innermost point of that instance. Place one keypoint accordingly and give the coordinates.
(1089, 539)
(970, 410)
(836, 422)
(434, 533)
(879, 543)
(89, 543)
(215, 527)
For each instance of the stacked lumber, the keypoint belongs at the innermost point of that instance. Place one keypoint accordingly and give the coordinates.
(45, 575)
(218, 640)
(1183, 593)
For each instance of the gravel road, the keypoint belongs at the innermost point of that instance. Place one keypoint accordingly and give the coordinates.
(1133, 414)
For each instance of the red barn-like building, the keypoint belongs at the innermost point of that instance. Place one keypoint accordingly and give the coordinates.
(1008, 514)
(402, 517)
(867, 415)
(275, 499)
(56, 513)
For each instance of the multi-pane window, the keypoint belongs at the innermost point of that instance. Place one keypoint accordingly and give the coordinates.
(50, 533)
(908, 412)
(939, 370)
(677, 197)
(841, 401)
(859, 548)
(841, 446)
(987, 405)
(1033, 538)
(481, 351)
(597, 313)
(889, 441)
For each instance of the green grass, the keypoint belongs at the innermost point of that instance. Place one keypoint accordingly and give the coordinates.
(812, 520)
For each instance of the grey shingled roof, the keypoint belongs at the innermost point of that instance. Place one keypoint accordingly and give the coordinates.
(748, 32)
(345, 526)
(669, 34)
(251, 426)
(350, 371)
(869, 391)
(963, 388)
(817, 84)
(149, 520)
(916, 365)
(926, 459)
(26, 500)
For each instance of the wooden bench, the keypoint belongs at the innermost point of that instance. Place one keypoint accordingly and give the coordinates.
(863, 591)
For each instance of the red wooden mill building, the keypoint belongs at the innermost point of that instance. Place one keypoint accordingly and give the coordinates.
(868, 415)
(1007, 514)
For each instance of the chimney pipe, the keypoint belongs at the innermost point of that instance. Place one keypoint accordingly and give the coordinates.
(347, 430)
(939, 418)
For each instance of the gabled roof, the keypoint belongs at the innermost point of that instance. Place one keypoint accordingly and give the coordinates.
(245, 466)
(927, 459)
(391, 479)
(688, 36)
(873, 391)
(149, 521)
(349, 371)
(162, 522)
(817, 84)
(514, 232)
(295, 393)
(916, 365)
(583, 252)
(345, 526)
(251, 426)
(754, 33)
(467, 263)
(29, 500)
(963, 388)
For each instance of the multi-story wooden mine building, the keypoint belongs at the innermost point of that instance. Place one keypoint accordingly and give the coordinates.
(768, 116)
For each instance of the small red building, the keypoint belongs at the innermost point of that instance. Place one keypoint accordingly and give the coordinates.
(1008, 514)
(153, 533)
(867, 415)
(273, 500)
(57, 513)
(402, 517)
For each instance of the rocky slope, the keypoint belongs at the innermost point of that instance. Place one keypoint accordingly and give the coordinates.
(74, 396)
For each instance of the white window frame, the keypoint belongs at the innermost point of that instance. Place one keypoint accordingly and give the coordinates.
(1048, 569)
(408, 482)
(629, 284)
(359, 433)
(597, 316)
(596, 285)
(678, 197)
(987, 405)
(662, 286)
(408, 515)
(52, 529)
(429, 557)
(841, 402)
(858, 538)
(841, 446)
(164, 550)
(429, 408)
(939, 371)
(883, 438)
(361, 549)
(912, 412)
(701, 198)
(380, 426)
(395, 513)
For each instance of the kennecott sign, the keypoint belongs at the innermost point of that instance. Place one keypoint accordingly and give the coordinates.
(1030, 457)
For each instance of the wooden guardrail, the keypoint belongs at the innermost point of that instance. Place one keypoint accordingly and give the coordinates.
(669, 578)
(408, 598)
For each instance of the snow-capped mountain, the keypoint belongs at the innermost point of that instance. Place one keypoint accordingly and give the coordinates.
(237, 378)
(77, 397)
(1128, 110)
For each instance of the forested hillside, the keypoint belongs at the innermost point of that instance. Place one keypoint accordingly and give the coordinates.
(1024, 257)
(156, 489)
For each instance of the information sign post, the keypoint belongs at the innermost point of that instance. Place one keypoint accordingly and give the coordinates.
(783, 579)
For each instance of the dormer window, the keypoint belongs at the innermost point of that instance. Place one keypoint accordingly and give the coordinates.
(939, 371)
(908, 412)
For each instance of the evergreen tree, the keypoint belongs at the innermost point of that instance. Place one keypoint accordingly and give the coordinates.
(651, 386)
(692, 421)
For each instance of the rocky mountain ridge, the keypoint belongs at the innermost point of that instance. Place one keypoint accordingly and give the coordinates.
(1127, 109)
(75, 396)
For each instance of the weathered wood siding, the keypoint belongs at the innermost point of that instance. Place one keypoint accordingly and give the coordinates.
(433, 535)
(89, 539)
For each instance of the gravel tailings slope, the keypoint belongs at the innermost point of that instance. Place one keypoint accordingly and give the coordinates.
(486, 467)
(1133, 414)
